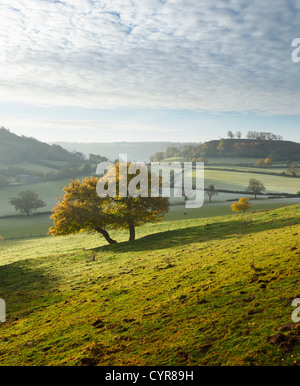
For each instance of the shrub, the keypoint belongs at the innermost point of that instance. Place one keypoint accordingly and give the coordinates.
(242, 205)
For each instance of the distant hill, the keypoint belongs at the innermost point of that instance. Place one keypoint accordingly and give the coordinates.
(15, 149)
(278, 150)
(136, 151)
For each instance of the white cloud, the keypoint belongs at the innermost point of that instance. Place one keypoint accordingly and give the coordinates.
(95, 130)
(192, 54)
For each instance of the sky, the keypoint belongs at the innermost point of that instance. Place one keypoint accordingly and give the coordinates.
(148, 70)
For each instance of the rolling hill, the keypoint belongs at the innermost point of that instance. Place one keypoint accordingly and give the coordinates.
(212, 291)
(15, 149)
(277, 150)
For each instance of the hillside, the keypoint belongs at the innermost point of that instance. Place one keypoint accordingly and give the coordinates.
(15, 149)
(27, 161)
(223, 149)
(278, 150)
(185, 293)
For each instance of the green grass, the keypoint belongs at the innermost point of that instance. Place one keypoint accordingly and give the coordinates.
(183, 293)
(239, 181)
(48, 191)
(27, 166)
(39, 224)
(247, 169)
(22, 226)
(231, 161)
(216, 208)
(175, 159)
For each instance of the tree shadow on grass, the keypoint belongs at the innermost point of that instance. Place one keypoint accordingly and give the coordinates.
(198, 234)
(26, 288)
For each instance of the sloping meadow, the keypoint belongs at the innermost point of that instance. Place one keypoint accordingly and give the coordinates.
(212, 291)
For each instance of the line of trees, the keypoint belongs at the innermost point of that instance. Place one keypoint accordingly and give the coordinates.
(263, 136)
(256, 145)
(190, 152)
(264, 162)
(258, 135)
(231, 135)
(59, 172)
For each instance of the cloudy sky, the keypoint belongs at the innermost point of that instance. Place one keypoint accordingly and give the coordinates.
(132, 70)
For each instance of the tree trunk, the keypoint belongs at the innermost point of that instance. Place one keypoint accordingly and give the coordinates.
(131, 232)
(106, 235)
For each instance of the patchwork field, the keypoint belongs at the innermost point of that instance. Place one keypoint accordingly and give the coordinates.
(21, 226)
(47, 191)
(239, 181)
(34, 226)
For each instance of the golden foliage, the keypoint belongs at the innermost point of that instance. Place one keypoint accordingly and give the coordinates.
(82, 209)
(242, 205)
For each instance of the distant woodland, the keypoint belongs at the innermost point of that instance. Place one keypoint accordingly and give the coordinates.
(256, 145)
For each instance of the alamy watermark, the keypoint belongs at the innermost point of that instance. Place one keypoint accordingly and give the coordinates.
(2, 311)
(296, 51)
(295, 316)
(188, 180)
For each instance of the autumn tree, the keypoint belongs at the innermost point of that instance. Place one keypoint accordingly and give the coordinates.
(138, 207)
(255, 186)
(172, 152)
(242, 205)
(26, 202)
(222, 146)
(203, 159)
(293, 169)
(81, 209)
(268, 161)
(159, 156)
(211, 191)
(260, 162)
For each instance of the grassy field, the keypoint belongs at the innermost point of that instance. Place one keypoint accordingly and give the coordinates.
(18, 227)
(184, 293)
(48, 191)
(27, 166)
(231, 161)
(38, 225)
(219, 160)
(239, 181)
(248, 169)
(22, 226)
